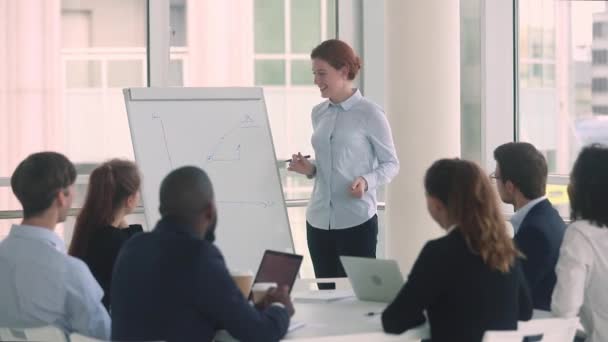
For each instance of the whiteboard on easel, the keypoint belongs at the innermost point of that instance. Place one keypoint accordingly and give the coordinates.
(226, 132)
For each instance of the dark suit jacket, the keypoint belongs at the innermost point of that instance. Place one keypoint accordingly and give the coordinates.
(539, 237)
(169, 285)
(462, 296)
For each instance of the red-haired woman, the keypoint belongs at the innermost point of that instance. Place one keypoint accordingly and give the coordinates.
(354, 155)
(101, 228)
(470, 280)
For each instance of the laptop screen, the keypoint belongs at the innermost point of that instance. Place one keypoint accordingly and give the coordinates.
(278, 267)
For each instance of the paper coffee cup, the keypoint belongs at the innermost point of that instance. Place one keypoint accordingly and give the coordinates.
(259, 291)
(243, 280)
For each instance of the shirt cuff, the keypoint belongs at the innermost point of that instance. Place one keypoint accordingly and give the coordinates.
(370, 178)
(278, 304)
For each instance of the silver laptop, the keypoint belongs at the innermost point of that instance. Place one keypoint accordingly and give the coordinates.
(373, 280)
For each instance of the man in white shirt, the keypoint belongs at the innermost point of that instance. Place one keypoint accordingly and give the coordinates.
(39, 283)
(521, 178)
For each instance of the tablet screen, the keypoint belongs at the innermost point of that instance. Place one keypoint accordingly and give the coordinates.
(278, 267)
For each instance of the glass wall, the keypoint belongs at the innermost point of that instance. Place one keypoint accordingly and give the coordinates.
(470, 80)
(563, 81)
(62, 70)
(67, 61)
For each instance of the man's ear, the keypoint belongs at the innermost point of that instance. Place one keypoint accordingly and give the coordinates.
(510, 187)
(62, 197)
(210, 212)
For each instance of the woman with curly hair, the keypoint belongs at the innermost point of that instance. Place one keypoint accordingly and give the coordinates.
(470, 280)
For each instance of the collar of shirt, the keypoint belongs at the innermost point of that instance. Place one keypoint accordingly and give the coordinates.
(172, 224)
(451, 228)
(349, 102)
(38, 233)
(520, 215)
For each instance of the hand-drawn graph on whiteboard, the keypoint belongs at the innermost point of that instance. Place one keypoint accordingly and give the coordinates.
(225, 131)
(227, 149)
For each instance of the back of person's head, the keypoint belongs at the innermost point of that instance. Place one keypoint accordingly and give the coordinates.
(589, 186)
(471, 203)
(39, 178)
(186, 195)
(338, 54)
(110, 186)
(523, 165)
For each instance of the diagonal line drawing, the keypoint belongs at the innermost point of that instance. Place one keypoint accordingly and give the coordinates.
(230, 154)
(165, 140)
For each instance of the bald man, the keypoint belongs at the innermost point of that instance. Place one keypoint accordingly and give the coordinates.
(172, 284)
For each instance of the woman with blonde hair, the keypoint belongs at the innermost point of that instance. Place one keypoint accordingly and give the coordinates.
(101, 228)
(470, 280)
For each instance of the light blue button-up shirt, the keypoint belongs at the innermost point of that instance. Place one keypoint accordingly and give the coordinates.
(350, 139)
(41, 285)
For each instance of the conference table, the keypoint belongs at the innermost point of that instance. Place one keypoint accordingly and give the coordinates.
(344, 319)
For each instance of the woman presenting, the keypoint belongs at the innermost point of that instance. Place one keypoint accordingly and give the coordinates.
(354, 155)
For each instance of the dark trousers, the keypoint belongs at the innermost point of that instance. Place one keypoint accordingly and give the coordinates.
(326, 247)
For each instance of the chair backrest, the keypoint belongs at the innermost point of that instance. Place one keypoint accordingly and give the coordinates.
(75, 337)
(47, 334)
(546, 329)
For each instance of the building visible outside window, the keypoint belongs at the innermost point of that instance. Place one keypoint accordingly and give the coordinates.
(563, 90)
(600, 110)
(599, 57)
(599, 85)
(598, 30)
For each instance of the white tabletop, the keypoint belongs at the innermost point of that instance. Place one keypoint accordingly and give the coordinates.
(346, 317)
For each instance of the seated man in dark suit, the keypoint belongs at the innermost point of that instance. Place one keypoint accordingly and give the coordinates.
(521, 177)
(172, 284)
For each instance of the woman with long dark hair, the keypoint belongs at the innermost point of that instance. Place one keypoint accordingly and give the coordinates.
(582, 267)
(101, 228)
(470, 280)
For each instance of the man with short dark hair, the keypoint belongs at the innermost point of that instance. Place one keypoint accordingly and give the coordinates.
(40, 284)
(172, 284)
(521, 177)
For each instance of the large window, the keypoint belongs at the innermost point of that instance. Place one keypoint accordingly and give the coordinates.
(563, 81)
(470, 80)
(62, 70)
(65, 63)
